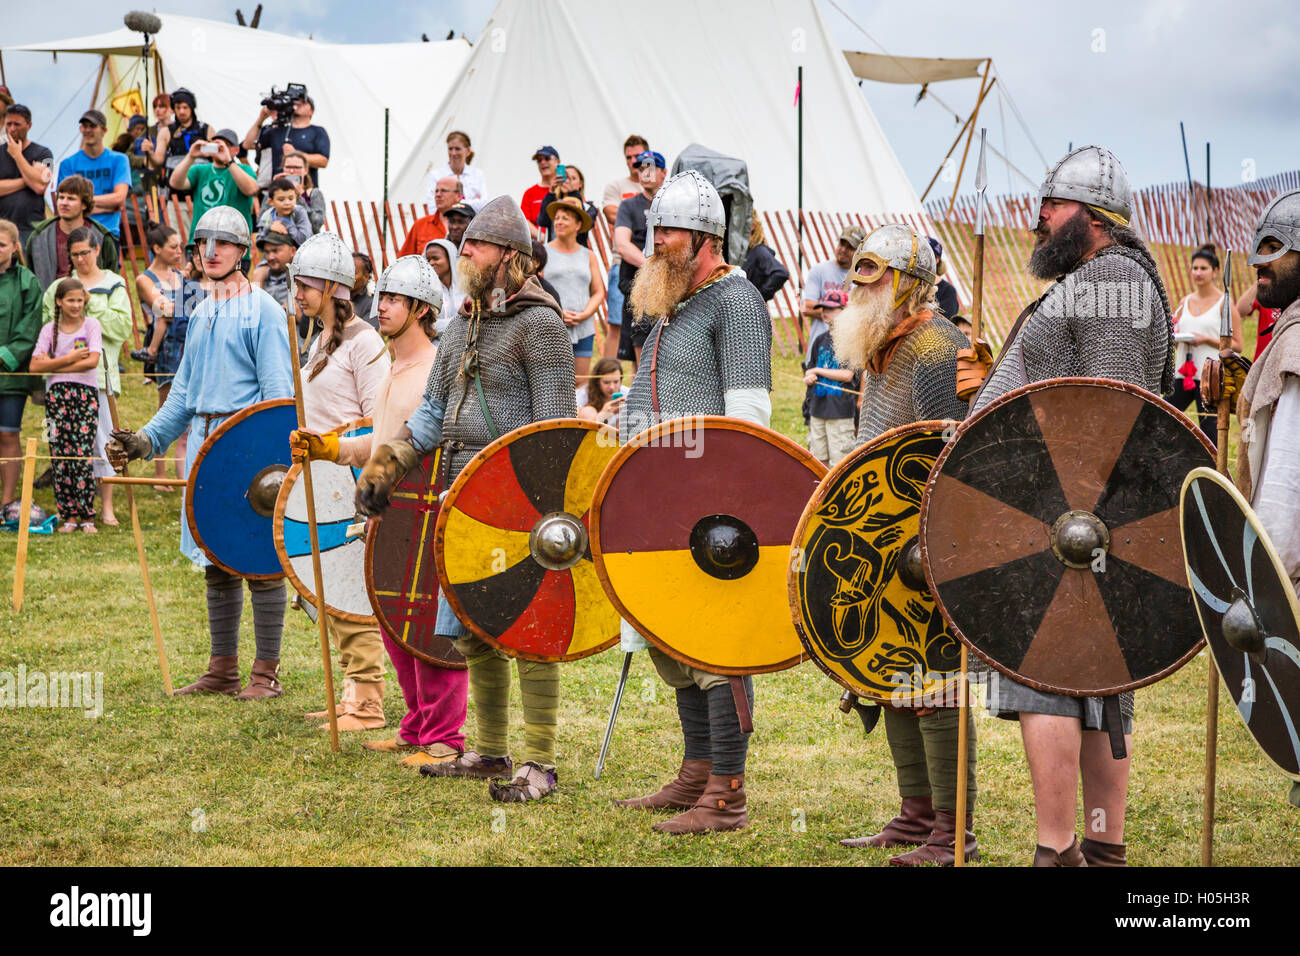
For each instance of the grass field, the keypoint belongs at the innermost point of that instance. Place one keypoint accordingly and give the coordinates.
(203, 781)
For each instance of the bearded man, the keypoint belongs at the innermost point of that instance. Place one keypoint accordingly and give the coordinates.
(908, 354)
(710, 354)
(504, 362)
(1268, 472)
(1105, 316)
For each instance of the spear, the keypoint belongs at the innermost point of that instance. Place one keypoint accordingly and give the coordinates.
(1212, 688)
(976, 321)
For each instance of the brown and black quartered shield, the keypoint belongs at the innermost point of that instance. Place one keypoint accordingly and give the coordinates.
(1249, 611)
(1049, 533)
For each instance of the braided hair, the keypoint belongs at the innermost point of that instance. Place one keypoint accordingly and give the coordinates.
(342, 314)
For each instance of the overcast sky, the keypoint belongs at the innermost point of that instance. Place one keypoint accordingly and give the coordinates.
(1119, 72)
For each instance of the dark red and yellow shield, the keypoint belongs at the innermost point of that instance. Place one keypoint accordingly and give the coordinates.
(857, 587)
(691, 534)
(401, 577)
(512, 548)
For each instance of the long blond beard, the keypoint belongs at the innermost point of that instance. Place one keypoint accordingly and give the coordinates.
(662, 283)
(861, 328)
(473, 280)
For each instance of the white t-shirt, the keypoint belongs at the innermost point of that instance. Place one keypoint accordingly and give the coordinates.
(472, 183)
(615, 192)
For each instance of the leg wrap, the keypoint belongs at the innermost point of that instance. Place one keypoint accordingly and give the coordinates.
(489, 688)
(729, 743)
(269, 602)
(693, 711)
(225, 608)
(907, 746)
(539, 686)
(939, 731)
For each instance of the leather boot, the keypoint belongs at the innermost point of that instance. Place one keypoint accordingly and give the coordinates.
(341, 707)
(681, 793)
(1070, 856)
(941, 847)
(1103, 854)
(222, 677)
(262, 682)
(912, 826)
(365, 711)
(720, 807)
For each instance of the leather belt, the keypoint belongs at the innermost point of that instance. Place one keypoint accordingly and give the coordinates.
(209, 419)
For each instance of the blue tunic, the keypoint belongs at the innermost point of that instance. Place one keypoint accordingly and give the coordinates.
(236, 354)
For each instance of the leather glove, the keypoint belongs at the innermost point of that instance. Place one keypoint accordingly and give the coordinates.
(381, 474)
(973, 366)
(1224, 377)
(307, 445)
(126, 445)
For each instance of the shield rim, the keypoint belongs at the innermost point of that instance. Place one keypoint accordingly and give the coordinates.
(792, 578)
(1013, 395)
(384, 626)
(277, 531)
(642, 438)
(199, 456)
(1224, 482)
(444, 513)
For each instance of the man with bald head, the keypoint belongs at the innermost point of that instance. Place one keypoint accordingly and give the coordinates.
(446, 193)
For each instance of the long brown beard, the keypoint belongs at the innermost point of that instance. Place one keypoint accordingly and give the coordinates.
(476, 282)
(861, 328)
(662, 283)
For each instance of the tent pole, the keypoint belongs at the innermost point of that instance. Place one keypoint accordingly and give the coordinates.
(94, 97)
(1209, 235)
(1188, 164)
(383, 233)
(960, 133)
(3, 81)
(971, 132)
(799, 111)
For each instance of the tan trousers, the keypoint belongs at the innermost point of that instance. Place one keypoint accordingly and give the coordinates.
(677, 674)
(361, 649)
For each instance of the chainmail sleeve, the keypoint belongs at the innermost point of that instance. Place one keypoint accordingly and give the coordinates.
(744, 336)
(934, 374)
(548, 363)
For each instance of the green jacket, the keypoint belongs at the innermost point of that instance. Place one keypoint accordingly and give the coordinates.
(43, 256)
(20, 324)
(109, 304)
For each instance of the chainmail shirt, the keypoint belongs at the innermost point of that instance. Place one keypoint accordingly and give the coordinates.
(526, 365)
(920, 383)
(1109, 318)
(718, 339)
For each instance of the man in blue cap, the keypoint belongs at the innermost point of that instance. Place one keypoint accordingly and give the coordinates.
(547, 159)
(629, 242)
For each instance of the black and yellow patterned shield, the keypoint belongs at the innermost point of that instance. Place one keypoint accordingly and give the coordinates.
(857, 586)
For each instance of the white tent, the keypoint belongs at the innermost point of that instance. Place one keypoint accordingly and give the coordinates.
(230, 68)
(580, 75)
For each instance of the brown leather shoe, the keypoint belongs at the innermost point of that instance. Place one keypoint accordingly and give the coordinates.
(262, 682)
(1070, 856)
(392, 745)
(365, 711)
(940, 849)
(1104, 854)
(469, 764)
(222, 677)
(679, 793)
(911, 827)
(720, 807)
(341, 707)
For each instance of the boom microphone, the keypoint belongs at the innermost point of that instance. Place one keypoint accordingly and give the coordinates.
(142, 22)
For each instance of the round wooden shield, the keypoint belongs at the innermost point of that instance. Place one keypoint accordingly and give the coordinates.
(512, 542)
(1248, 609)
(857, 589)
(401, 578)
(340, 532)
(232, 487)
(691, 531)
(1049, 533)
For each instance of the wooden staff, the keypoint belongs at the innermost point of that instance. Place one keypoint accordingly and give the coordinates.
(963, 702)
(24, 519)
(1212, 675)
(139, 549)
(311, 527)
(128, 481)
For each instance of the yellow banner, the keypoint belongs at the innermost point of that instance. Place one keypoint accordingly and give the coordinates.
(129, 103)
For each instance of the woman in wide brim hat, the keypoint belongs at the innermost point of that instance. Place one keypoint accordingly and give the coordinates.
(574, 205)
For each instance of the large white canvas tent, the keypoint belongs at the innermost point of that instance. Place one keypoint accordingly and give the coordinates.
(580, 75)
(230, 68)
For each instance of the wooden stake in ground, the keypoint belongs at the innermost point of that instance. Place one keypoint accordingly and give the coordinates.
(144, 562)
(311, 531)
(1212, 685)
(24, 519)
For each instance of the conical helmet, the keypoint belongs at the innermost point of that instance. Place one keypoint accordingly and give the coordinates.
(221, 222)
(324, 258)
(414, 277)
(1091, 175)
(1280, 221)
(685, 201)
(502, 223)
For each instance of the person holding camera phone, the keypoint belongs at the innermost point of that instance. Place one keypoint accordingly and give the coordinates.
(223, 181)
(294, 133)
(174, 141)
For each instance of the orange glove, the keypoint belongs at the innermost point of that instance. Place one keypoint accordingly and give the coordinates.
(973, 366)
(1224, 377)
(312, 446)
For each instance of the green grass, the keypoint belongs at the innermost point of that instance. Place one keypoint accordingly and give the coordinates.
(134, 785)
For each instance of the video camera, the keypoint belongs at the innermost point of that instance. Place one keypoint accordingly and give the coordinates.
(281, 103)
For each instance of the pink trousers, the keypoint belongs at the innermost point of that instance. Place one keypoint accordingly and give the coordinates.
(436, 698)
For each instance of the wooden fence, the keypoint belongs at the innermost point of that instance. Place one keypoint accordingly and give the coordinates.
(1172, 218)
